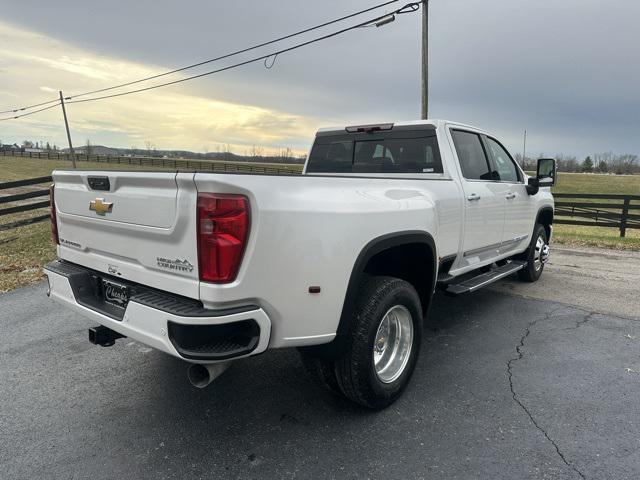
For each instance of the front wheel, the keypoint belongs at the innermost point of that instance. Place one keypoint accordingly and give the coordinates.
(536, 256)
(383, 344)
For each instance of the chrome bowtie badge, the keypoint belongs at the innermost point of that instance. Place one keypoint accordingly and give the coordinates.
(100, 206)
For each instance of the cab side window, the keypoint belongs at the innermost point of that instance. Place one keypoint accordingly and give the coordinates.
(471, 155)
(505, 168)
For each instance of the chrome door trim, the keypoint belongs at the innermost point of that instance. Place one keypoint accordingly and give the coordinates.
(494, 246)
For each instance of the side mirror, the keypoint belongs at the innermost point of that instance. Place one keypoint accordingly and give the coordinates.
(545, 176)
(546, 173)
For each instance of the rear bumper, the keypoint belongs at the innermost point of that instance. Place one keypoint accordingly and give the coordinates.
(175, 325)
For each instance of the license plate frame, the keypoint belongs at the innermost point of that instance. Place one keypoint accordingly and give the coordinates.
(115, 294)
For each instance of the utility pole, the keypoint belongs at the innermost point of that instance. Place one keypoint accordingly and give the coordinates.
(524, 150)
(425, 59)
(66, 124)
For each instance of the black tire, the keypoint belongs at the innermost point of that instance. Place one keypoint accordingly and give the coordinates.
(355, 371)
(322, 372)
(531, 272)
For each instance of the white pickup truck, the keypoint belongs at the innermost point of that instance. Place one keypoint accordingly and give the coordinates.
(340, 262)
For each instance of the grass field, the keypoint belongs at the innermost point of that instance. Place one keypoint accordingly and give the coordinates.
(595, 183)
(596, 237)
(23, 251)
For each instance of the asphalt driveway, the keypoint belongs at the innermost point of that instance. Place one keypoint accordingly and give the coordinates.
(506, 388)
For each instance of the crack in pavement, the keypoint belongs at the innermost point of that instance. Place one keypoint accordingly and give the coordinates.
(510, 363)
(586, 318)
(581, 322)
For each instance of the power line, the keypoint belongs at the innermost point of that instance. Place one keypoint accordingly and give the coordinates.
(237, 52)
(377, 21)
(408, 8)
(28, 107)
(32, 112)
(211, 60)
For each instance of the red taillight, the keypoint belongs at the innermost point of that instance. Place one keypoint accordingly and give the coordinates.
(54, 218)
(223, 228)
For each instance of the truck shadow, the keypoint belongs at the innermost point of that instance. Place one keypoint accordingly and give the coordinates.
(258, 380)
(268, 400)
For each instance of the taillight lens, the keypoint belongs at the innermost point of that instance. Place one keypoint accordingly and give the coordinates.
(223, 228)
(54, 218)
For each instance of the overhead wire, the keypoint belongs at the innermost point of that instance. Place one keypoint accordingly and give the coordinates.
(28, 107)
(237, 52)
(408, 8)
(30, 113)
(211, 60)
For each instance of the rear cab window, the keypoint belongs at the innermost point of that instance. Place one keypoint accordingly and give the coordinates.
(391, 151)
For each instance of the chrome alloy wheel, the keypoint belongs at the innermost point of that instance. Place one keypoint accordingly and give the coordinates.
(392, 346)
(541, 254)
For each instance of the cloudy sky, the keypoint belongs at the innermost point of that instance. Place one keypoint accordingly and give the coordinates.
(565, 70)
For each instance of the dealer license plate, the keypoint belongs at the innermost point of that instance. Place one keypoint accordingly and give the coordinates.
(115, 294)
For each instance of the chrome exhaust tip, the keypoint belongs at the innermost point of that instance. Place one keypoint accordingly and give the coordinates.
(201, 375)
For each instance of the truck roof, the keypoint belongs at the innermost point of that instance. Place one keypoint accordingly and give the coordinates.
(433, 122)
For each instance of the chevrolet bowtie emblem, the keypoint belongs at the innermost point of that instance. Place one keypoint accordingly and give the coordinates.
(100, 206)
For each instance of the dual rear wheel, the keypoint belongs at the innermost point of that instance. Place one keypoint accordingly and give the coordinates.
(382, 346)
(385, 334)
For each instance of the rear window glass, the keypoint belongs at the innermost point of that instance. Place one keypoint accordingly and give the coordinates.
(334, 156)
(416, 153)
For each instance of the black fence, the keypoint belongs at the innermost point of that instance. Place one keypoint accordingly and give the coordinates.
(232, 166)
(22, 202)
(595, 210)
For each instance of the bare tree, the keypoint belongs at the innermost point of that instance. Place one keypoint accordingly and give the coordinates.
(150, 147)
(256, 153)
(567, 163)
(628, 162)
(88, 148)
(286, 155)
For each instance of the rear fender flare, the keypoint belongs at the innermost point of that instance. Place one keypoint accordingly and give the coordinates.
(374, 247)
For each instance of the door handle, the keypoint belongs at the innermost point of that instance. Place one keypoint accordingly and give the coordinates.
(473, 197)
(510, 196)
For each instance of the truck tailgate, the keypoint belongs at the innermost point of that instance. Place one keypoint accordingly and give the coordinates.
(139, 226)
